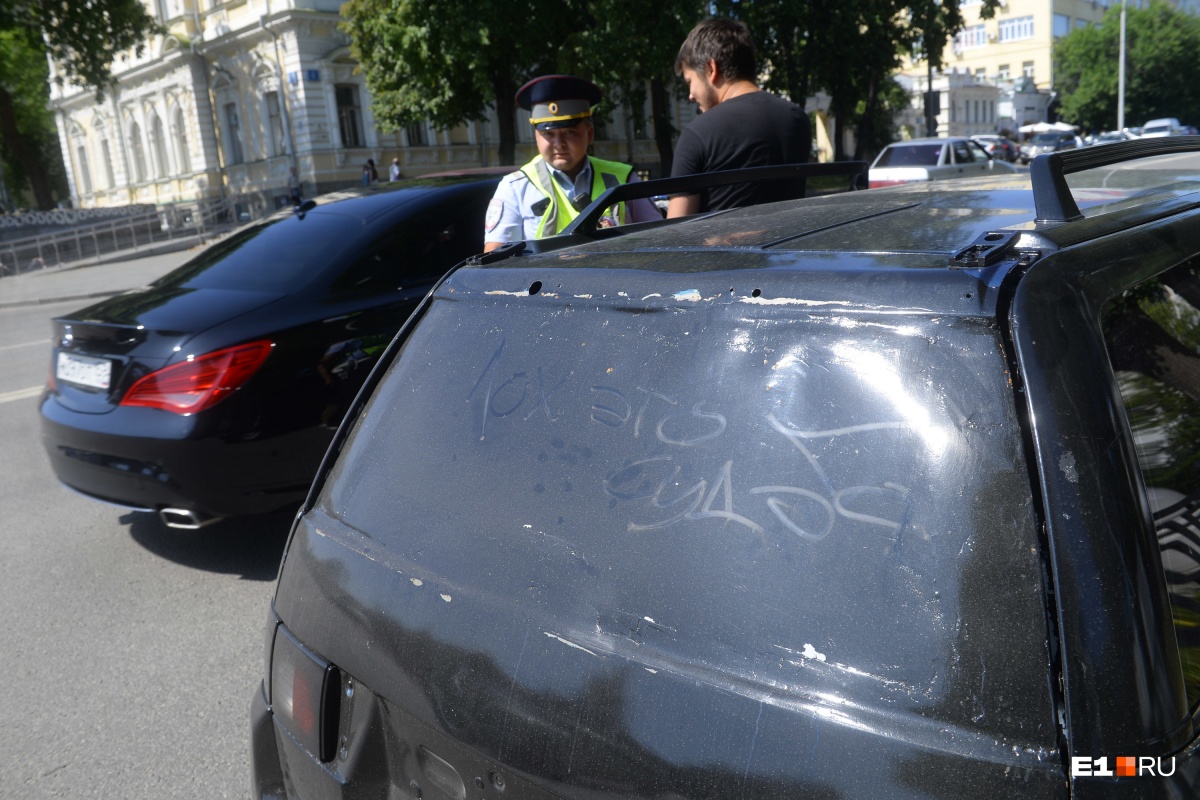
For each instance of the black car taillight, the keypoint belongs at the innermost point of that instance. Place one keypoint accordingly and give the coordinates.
(305, 695)
(200, 382)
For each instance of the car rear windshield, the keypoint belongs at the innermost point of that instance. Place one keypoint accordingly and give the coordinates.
(276, 256)
(835, 499)
(910, 155)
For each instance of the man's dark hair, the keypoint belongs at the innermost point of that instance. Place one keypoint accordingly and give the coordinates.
(723, 40)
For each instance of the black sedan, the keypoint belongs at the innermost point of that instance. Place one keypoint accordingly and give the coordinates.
(215, 390)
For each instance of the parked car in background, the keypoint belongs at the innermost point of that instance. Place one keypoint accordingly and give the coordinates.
(1049, 142)
(1108, 137)
(932, 159)
(884, 494)
(215, 390)
(999, 147)
(1167, 126)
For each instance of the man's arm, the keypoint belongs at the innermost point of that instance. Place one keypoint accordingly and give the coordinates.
(503, 223)
(689, 160)
(682, 205)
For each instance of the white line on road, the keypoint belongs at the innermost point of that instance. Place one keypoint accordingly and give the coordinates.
(25, 344)
(20, 394)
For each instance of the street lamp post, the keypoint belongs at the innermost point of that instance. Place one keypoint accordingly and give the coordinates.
(1121, 75)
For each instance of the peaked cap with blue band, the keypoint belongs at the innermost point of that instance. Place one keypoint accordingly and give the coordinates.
(558, 101)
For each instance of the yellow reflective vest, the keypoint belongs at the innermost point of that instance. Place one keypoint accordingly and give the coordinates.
(560, 211)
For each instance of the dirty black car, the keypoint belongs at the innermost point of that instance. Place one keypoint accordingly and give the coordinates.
(878, 494)
(215, 390)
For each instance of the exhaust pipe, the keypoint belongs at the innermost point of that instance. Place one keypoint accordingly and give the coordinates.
(186, 519)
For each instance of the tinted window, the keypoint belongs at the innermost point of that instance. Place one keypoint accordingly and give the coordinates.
(276, 256)
(419, 251)
(1153, 335)
(818, 502)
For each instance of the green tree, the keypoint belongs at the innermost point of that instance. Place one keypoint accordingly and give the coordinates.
(447, 61)
(1162, 76)
(83, 39)
(849, 49)
(628, 48)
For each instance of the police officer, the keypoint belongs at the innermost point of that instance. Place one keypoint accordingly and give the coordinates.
(542, 197)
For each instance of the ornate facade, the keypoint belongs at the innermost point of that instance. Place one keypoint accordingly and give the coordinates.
(238, 92)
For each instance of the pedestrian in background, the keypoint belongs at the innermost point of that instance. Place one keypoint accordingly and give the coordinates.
(295, 192)
(739, 124)
(369, 175)
(394, 170)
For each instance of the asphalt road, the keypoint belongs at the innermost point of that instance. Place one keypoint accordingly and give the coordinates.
(129, 651)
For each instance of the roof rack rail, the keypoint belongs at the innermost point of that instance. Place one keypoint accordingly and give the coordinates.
(584, 227)
(1052, 198)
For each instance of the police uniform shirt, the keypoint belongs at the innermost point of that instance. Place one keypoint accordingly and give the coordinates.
(511, 216)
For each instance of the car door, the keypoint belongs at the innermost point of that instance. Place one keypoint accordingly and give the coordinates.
(1106, 337)
(970, 158)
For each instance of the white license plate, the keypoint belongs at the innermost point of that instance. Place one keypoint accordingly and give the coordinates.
(94, 372)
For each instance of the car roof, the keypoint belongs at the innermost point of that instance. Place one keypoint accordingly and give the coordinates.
(371, 202)
(925, 220)
(920, 225)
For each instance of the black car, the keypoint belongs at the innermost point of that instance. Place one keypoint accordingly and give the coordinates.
(886, 494)
(215, 390)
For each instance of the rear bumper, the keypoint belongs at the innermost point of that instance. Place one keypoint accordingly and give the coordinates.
(167, 461)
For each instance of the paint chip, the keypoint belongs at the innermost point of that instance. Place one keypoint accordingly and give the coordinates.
(417, 582)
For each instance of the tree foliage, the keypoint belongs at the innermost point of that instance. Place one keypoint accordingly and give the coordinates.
(1162, 75)
(447, 61)
(83, 38)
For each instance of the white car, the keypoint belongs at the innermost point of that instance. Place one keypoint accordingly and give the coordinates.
(1168, 126)
(932, 159)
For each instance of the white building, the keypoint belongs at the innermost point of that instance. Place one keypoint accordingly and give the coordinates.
(237, 92)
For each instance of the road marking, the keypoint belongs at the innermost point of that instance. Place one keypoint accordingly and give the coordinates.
(20, 394)
(24, 344)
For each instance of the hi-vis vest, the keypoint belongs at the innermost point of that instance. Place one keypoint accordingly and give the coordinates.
(559, 211)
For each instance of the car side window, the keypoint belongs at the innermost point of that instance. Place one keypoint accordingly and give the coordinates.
(1153, 337)
(417, 253)
(978, 152)
(962, 153)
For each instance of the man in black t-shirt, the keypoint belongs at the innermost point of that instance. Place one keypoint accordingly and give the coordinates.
(739, 124)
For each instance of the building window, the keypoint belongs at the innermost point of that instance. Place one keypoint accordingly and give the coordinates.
(179, 131)
(417, 134)
(81, 167)
(349, 116)
(1002, 74)
(1062, 25)
(1012, 30)
(137, 152)
(233, 144)
(158, 146)
(106, 154)
(1027, 69)
(1082, 23)
(275, 124)
(971, 39)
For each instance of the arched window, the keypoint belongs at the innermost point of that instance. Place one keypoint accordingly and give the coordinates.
(83, 172)
(158, 146)
(179, 133)
(137, 152)
(110, 180)
(233, 134)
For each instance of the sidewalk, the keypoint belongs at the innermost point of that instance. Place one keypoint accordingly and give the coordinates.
(84, 281)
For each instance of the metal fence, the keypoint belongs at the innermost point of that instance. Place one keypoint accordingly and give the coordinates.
(92, 241)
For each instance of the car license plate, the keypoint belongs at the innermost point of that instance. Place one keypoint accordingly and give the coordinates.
(93, 372)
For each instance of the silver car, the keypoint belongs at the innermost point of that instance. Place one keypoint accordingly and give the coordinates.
(932, 159)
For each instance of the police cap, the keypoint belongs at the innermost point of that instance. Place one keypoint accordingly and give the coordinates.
(558, 101)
